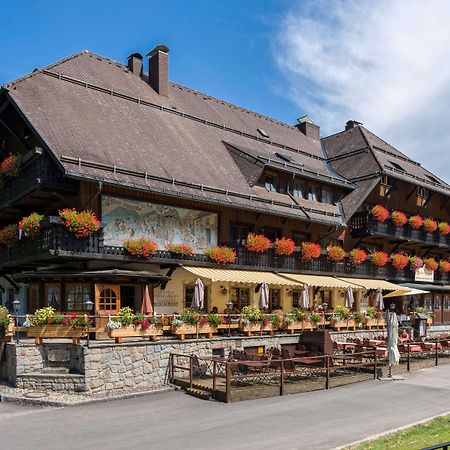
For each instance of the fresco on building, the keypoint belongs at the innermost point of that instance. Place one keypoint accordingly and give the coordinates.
(164, 224)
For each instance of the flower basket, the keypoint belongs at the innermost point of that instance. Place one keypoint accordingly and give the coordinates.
(370, 323)
(444, 266)
(187, 329)
(309, 251)
(415, 262)
(257, 243)
(180, 249)
(398, 218)
(399, 261)
(82, 224)
(284, 246)
(431, 264)
(415, 222)
(153, 331)
(379, 259)
(335, 253)
(444, 228)
(39, 332)
(338, 325)
(379, 213)
(143, 248)
(9, 235)
(429, 225)
(31, 225)
(249, 327)
(357, 256)
(10, 166)
(221, 255)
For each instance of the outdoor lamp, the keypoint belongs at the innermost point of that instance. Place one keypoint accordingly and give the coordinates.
(16, 307)
(229, 307)
(88, 304)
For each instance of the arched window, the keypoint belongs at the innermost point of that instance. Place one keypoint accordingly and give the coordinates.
(107, 300)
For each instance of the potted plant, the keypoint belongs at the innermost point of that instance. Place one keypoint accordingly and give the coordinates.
(294, 320)
(128, 324)
(221, 255)
(335, 253)
(10, 166)
(371, 318)
(342, 318)
(82, 224)
(313, 319)
(415, 222)
(359, 319)
(444, 266)
(398, 218)
(379, 259)
(431, 264)
(284, 246)
(309, 251)
(422, 310)
(31, 225)
(180, 249)
(9, 235)
(399, 261)
(6, 325)
(444, 228)
(415, 262)
(45, 323)
(250, 320)
(143, 248)
(379, 213)
(429, 225)
(357, 256)
(190, 321)
(257, 243)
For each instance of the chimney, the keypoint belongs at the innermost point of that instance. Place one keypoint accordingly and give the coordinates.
(135, 63)
(352, 124)
(308, 127)
(158, 67)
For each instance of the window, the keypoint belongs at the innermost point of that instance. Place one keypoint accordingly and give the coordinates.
(312, 194)
(53, 295)
(263, 133)
(385, 185)
(271, 233)
(428, 303)
(107, 300)
(240, 297)
(289, 159)
(296, 295)
(434, 180)
(298, 237)
(274, 299)
(385, 180)
(422, 195)
(297, 190)
(33, 298)
(76, 295)
(270, 183)
(240, 232)
(189, 295)
(327, 196)
(396, 166)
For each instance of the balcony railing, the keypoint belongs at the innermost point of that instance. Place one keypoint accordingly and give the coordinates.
(363, 224)
(57, 243)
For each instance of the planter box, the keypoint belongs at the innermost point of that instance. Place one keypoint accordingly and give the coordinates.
(182, 331)
(349, 324)
(56, 331)
(381, 322)
(131, 331)
(9, 332)
(300, 326)
(256, 327)
(371, 323)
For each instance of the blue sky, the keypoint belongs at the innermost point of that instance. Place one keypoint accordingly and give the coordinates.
(382, 63)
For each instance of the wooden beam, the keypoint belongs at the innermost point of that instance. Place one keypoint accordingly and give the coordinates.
(13, 134)
(429, 197)
(411, 193)
(386, 194)
(444, 202)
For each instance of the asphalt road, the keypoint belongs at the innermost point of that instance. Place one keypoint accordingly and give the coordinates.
(315, 420)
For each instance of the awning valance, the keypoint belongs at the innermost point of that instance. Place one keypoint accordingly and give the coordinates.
(319, 281)
(402, 292)
(240, 276)
(369, 283)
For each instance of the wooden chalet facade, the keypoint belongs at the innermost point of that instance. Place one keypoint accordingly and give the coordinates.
(155, 159)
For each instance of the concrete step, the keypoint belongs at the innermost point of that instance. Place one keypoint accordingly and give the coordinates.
(198, 393)
(202, 387)
(55, 370)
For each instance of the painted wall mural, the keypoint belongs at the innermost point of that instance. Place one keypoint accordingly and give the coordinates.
(164, 224)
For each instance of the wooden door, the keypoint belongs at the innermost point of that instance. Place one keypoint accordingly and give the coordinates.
(437, 307)
(446, 310)
(107, 302)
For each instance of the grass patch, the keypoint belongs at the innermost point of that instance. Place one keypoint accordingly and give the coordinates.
(435, 432)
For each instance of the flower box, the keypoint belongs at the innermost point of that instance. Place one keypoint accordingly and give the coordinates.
(40, 332)
(300, 325)
(185, 329)
(252, 327)
(381, 322)
(9, 332)
(131, 331)
(337, 325)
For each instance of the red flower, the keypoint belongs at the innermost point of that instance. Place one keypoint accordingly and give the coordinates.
(357, 256)
(415, 262)
(180, 249)
(257, 243)
(221, 255)
(430, 225)
(379, 259)
(10, 166)
(380, 213)
(444, 228)
(415, 222)
(310, 251)
(82, 224)
(31, 225)
(143, 248)
(335, 253)
(398, 218)
(431, 264)
(9, 235)
(284, 246)
(145, 324)
(399, 261)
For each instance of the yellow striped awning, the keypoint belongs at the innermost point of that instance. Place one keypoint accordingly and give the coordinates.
(369, 283)
(318, 280)
(240, 276)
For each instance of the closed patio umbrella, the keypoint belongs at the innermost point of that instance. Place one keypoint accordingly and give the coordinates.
(199, 295)
(379, 303)
(264, 296)
(146, 307)
(304, 301)
(349, 299)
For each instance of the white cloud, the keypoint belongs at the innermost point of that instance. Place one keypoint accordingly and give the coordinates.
(385, 63)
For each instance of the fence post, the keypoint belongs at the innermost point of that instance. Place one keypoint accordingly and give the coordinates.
(228, 382)
(436, 354)
(408, 357)
(214, 378)
(191, 372)
(375, 364)
(282, 377)
(327, 367)
(172, 377)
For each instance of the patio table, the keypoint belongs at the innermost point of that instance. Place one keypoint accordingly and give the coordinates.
(432, 345)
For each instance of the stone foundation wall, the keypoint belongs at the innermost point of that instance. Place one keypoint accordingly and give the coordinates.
(54, 382)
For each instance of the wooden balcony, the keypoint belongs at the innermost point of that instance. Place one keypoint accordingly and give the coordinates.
(56, 244)
(363, 224)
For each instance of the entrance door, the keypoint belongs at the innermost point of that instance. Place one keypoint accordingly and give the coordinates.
(107, 302)
(437, 307)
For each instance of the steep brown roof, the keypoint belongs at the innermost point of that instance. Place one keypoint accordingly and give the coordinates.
(103, 122)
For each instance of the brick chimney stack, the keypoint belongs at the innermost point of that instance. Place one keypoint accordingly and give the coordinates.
(135, 63)
(308, 127)
(158, 65)
(352, 124)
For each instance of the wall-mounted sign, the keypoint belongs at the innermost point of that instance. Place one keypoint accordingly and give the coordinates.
(424, 274)
(164, 224)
